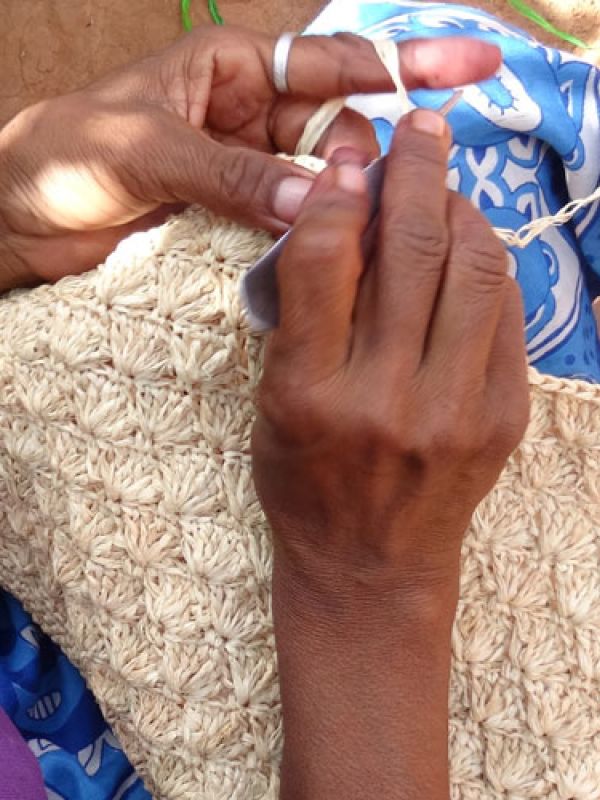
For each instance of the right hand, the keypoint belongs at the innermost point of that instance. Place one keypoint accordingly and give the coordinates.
(393, 392)
(395, 387)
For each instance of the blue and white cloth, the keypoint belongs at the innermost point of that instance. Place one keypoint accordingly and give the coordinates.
(525, 143)
(48, 702)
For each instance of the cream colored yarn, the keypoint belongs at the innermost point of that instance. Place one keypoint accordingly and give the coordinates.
(130, 529)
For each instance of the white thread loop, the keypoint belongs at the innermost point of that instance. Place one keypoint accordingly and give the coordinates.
(387, 50)
(321, 121)
(318, 124)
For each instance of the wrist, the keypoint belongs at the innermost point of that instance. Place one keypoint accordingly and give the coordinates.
(364, 688)
(333, 595)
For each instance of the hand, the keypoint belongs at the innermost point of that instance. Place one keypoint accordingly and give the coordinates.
(394, 390)
(195, 123)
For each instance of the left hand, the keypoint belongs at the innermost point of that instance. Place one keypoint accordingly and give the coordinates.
(196, 123)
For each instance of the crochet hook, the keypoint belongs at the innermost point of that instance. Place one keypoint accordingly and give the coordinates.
(259, 286)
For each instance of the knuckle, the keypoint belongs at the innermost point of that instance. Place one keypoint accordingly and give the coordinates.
(496, 435)
(378, 444)
(487, 261)
(270, 402)
(378, 424)
(347, 79)
(315, 245)
(514, 299)
(511, 429)
(455, 442)
(375, 431)
(420, 237)
(276, 401)
(352, 48)
(237, 178)
(450, 432)
(296, 411)
(356, 130)
(346, 38)
(328, 244)
(420, 156)
(232, 177)
(477, 248)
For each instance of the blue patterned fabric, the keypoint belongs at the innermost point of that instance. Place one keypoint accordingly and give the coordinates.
(47, 701)
(526, 143)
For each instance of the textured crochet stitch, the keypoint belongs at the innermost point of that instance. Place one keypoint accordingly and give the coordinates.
(130, 529)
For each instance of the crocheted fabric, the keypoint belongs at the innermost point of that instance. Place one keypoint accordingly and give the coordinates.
(130, 529)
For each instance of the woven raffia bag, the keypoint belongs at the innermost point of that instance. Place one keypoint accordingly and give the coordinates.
(131, 531)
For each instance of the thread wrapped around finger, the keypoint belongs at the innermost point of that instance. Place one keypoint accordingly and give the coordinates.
(387, 51)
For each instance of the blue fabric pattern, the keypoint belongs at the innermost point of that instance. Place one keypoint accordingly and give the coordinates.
(526, 142)
(48, 702)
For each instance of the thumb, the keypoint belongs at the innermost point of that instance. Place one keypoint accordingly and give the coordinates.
(242, 184)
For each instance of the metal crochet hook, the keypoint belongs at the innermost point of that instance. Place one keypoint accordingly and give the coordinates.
(259, 288)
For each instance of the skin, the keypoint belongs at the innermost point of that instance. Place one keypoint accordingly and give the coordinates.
(198, 122)
(393, 391)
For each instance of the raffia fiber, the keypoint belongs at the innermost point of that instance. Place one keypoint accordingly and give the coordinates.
(130, 530)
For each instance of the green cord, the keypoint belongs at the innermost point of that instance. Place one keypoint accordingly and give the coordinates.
(214, 12)
(519, 5)
(186, 18)
(530, 13)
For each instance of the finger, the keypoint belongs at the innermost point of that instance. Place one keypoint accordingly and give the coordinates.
(334, 66)
(413, 240)
(352, 131)
(349, 129)
(472, 297)
(171, 162)
(508, 389)
(319, 272)
(508, 353)
(247, 186)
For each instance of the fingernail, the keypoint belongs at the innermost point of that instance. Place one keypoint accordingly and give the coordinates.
(428, 122)
(351, 178)
(289, 196)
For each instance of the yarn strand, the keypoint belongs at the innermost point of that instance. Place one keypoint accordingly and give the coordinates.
(532, 230)
(321, 120)
(387, 51)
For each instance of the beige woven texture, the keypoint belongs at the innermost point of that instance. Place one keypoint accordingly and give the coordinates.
(130, 529)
